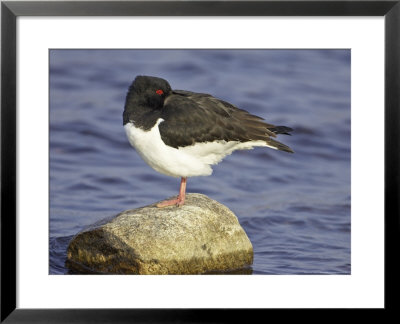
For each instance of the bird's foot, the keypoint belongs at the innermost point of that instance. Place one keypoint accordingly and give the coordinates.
(177, 201)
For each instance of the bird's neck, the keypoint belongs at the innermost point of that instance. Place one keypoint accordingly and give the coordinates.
(140, 115)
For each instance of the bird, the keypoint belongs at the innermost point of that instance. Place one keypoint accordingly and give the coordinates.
(183, 134)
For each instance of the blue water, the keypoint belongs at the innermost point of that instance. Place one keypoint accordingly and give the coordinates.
(295, 208)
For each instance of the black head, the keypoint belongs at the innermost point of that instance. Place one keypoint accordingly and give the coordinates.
(149, 91)
(145, 95)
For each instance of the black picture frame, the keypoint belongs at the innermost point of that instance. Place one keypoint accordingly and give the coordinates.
(10, 10)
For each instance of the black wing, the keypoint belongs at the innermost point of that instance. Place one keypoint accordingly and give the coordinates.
(195, 117)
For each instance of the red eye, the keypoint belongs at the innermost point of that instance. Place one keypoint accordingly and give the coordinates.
(159, 92)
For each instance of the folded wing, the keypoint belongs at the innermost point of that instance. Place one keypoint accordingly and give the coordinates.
(191, 118)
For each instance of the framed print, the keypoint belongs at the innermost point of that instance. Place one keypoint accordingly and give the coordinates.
(322, 223)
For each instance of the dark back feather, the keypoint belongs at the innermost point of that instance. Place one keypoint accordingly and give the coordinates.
(194, 117)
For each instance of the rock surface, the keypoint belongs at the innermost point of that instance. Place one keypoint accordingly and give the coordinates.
(202, 236)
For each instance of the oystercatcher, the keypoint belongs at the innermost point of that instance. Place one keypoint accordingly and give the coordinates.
(182, 133)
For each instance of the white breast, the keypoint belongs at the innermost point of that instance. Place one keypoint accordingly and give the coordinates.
(188, 161)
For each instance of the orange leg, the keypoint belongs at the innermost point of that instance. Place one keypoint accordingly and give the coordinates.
(178, 201)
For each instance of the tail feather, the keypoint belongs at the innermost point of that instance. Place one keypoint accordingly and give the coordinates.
(279, 146)
(281, 130)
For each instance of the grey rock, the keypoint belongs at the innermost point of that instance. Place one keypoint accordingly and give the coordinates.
(202, 236)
